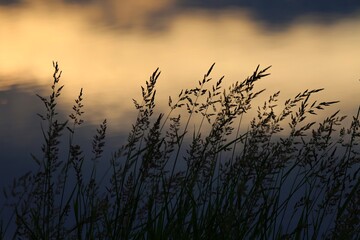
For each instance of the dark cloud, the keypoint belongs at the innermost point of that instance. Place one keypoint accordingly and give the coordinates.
(282, 12)
(9, 2)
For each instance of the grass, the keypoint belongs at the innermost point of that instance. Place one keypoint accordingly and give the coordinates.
(284, 177)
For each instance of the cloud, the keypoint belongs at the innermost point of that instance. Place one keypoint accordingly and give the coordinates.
(282, 13)
(115, 13)
(149, 14)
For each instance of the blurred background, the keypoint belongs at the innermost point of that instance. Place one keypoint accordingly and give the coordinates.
(111, 47)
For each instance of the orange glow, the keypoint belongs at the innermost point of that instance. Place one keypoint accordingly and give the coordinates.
(111, 63)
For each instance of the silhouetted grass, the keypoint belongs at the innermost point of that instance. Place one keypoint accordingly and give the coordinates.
(284, 177)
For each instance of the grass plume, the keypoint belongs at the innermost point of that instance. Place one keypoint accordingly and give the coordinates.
(284, 177)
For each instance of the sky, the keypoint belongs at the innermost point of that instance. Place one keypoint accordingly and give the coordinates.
(111, 47)
(105, 46)
(159, 14)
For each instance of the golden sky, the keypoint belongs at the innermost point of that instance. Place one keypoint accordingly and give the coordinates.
(106, 48)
